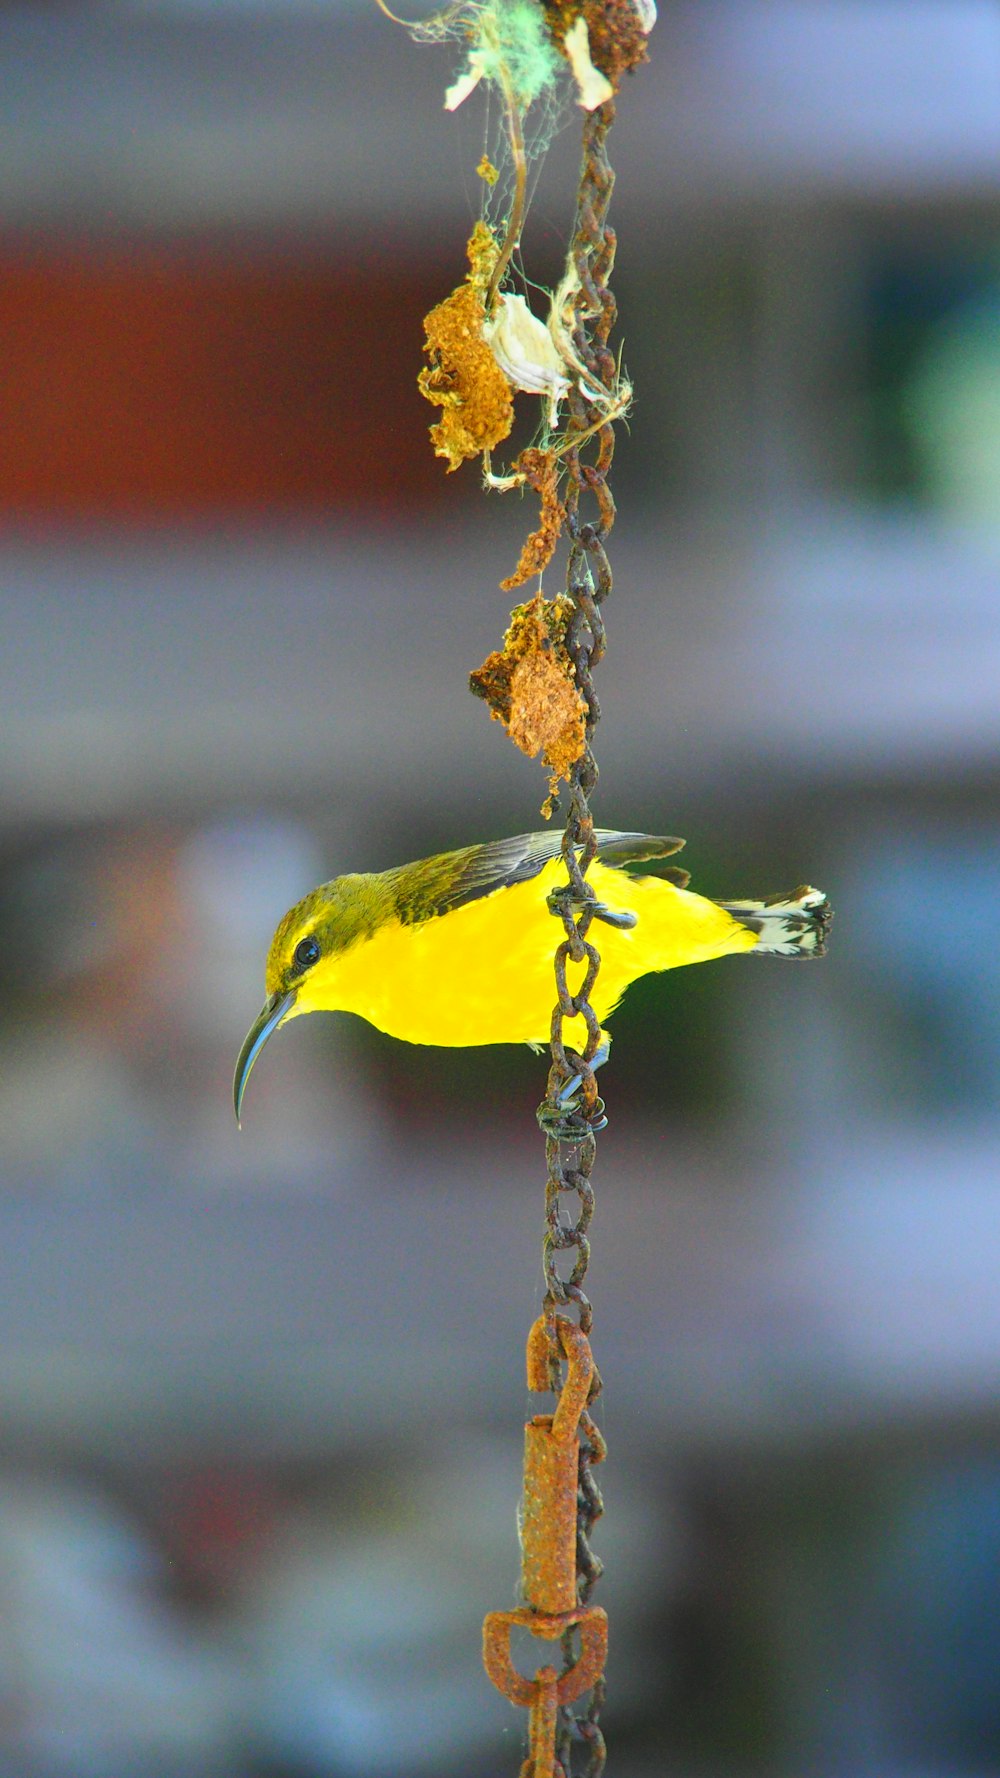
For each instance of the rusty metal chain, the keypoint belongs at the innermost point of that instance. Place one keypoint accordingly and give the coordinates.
(562, 1501)
(588, 582)
(570, 1145)
(541, 711)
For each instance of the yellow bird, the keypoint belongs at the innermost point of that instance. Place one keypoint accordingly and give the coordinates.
(458, 949)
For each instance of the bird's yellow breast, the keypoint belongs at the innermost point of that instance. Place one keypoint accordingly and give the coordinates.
(482, 973)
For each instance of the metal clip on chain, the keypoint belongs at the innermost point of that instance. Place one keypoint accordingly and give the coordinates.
(549, 1550)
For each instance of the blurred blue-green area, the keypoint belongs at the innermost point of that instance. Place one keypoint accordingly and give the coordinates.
(262, 1392)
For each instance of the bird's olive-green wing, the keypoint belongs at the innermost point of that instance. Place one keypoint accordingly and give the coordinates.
(636, 848)
(620, 849)
(437, 885)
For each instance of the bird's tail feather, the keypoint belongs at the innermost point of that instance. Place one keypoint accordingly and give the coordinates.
(793, 925)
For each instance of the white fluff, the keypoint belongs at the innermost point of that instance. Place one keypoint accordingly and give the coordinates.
(593, 86)
(525, 351)
(466, 83)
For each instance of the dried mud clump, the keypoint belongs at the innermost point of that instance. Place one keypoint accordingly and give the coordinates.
(616, 29)
(463, 377)
(530, 687)
(539, 470)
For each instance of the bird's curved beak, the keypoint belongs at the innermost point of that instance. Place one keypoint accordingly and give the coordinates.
(275, 1008)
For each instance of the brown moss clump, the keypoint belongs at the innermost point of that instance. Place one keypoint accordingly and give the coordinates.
(540, 470)
(617, 41)
(463, 377)
(530, 686)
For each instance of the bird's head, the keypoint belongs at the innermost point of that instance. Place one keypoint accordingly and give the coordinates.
(299, 942)
(301, 964)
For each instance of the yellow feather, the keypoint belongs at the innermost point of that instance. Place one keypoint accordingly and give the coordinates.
(482, 973)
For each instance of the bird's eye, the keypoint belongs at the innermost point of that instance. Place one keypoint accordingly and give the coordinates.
(306, 953)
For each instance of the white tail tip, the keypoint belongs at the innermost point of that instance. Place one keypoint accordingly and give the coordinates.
(793, 925)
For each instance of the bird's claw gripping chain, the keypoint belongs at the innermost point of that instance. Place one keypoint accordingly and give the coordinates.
(566, 1123)
(561, 1120)
(552, 1608)
(563, 899)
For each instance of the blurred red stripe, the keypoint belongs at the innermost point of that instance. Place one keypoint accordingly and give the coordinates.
(151, 382)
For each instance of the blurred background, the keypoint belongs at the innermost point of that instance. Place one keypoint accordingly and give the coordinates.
(262, 1393)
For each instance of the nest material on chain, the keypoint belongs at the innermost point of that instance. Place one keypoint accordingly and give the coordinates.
(538, 470)
(531, 688)
(463, 377)
(616, 32)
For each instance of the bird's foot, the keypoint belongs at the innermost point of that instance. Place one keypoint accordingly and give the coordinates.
(565, 1124)
(564, 1117)
(568, 1096)
(561, 901)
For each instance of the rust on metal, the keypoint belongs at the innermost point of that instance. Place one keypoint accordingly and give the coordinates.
(549, 1691)
(551, 1470)
(543, 1716)
(590, 1620)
